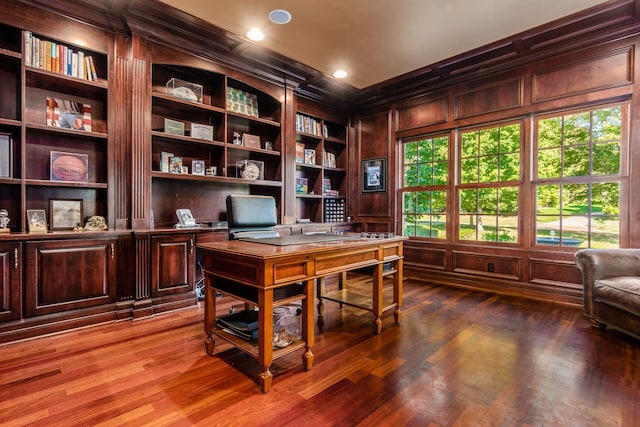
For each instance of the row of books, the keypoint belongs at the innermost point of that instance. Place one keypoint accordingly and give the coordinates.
(302, 187)
(311, 126)
(58, 58)
(307, 156)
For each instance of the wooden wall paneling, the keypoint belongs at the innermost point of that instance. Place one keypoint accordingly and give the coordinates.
(544, 270)
(488, 99)
(423, 114)
(143, 304)
(584, 73)
(633, 212)
(486, 264)
(140, 136)
(421, 253)
(374, 139)
(120, 133)
(288, 157)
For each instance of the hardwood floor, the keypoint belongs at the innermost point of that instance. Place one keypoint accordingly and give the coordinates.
(458, 358)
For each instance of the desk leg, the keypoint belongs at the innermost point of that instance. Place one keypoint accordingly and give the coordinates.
(377, 299)
(397, 291)
(265, 337)
(320, 291)
(209, 313)
(307, 324)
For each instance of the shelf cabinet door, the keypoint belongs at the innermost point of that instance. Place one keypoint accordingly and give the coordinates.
(69, 274)
(10, 281)
(173, 264)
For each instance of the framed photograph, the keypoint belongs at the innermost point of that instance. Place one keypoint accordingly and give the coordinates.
(68, 114)
(65, 214)
(199, 131)
(174, 127)
(374, 175)
(197, 167)
(37, 220)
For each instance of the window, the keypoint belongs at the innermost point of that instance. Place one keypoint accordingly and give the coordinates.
(578, 177)
(424, 192)
(489, 184)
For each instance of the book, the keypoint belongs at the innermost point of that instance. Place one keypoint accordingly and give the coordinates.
(28, 48)
(309, 156)
(244, 321)
(302, 186)
(92, 66)
(164, 161)
(326, 186)
(299, 152)
(6, 159)
(67, 114)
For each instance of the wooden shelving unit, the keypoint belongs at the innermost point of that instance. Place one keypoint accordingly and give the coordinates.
(220, 152)
(324, 175)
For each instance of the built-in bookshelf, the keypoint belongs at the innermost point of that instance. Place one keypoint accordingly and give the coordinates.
(49, 117)
(210, 134)
(321, 161)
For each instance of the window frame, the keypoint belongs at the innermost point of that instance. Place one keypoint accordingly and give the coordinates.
(518, 183)
(433, 187)
(621, 178)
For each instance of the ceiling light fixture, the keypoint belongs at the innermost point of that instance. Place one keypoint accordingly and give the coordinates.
(280, 16)
(340, 74)
(255, 34)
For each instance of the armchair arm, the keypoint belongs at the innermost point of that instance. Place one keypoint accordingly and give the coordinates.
(596, 264)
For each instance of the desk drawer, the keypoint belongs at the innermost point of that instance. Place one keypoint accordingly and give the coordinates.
(346, 260)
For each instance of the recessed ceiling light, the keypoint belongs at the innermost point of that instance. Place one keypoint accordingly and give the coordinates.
(255, 34)
(280, 16)
(340, 74)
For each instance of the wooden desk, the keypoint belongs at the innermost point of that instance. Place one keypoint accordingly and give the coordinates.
(267, 276)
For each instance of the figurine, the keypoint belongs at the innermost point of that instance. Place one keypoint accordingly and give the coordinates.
(236, 138)
(95, 223)
(4, 221)
(268, 145)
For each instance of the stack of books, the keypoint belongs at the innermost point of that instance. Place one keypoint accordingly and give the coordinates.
(243, 324)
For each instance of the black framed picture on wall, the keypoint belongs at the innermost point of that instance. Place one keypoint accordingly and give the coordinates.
(374, 175)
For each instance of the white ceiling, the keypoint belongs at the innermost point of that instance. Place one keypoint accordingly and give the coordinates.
(376, 40)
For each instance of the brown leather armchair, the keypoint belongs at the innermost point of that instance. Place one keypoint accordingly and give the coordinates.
(611, 279)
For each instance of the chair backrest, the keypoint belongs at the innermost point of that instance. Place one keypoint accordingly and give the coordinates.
(251, 216)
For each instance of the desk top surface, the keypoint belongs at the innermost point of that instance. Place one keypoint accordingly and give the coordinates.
(302, 244)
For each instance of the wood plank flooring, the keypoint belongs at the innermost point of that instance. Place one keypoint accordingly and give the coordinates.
(459, 358)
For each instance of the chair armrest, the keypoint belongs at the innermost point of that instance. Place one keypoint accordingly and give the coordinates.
(596, 264)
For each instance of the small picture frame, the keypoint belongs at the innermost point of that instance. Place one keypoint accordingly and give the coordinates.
(374, 175)
(173, 127)
(200, 131)
(37, 221)
(65, 214)
(197, 167)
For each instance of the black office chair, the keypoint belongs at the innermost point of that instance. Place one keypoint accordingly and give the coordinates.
(251, 216)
